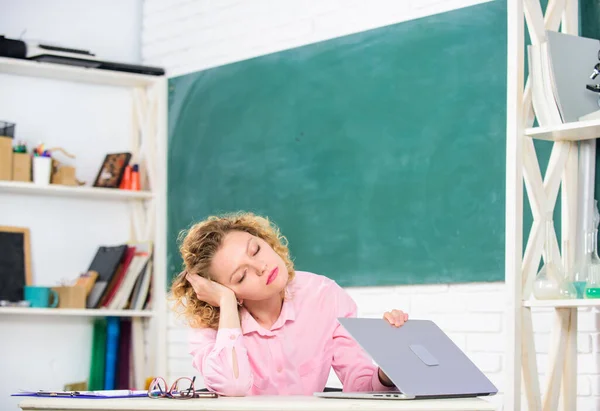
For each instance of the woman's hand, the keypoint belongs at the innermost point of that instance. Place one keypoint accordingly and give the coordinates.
(396, 317)
(209, 291)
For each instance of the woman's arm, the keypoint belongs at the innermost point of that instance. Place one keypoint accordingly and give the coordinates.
(220, 355)
(230, 319)
(352, 365)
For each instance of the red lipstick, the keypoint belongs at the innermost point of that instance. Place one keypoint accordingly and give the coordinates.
(273, 275)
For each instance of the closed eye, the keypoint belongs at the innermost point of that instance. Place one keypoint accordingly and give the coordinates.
(245, 271)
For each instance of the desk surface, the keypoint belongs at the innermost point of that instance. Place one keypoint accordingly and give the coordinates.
(258, 403)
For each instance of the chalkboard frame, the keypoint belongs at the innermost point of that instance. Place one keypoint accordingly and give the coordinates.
(26, 248)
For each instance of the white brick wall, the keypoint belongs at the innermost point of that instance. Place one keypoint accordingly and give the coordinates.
(185, 36)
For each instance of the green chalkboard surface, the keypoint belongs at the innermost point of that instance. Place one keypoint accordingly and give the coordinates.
(381, 155)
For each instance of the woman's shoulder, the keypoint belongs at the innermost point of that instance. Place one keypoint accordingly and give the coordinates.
(308, 279)
(317, 294)
(310, 284)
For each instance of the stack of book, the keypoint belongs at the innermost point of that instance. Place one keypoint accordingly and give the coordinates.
(124, 277)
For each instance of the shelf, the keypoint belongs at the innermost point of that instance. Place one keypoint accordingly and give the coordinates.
(66, 312)
(73, 73)
(562, 303)
(575, 131)
(55, 190)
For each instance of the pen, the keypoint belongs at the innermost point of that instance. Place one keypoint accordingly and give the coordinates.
(59, 393)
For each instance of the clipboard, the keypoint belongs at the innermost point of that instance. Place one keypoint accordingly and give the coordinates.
(83, 394)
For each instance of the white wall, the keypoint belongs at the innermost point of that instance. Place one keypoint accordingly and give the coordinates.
(186, 36)
(89, 121)
(108, 28)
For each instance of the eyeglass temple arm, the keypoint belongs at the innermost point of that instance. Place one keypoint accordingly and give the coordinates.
(192, 384)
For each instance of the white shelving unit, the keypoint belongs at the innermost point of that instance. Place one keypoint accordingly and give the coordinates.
(523, 170)
(72, 73)
(75, 312)
(581, 130)
(147, 209)
(561, 303)
(55, 190)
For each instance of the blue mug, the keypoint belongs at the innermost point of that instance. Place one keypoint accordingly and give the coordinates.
(39, 297)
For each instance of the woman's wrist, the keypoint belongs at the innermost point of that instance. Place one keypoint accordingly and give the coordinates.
(227, 299)
(228, 312)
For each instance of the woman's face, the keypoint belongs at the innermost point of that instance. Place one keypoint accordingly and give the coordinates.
(249, 266)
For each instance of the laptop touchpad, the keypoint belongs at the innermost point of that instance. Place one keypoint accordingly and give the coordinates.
(424, 355)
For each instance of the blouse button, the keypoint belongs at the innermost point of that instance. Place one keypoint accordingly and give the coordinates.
(232, 337)
(279, 368)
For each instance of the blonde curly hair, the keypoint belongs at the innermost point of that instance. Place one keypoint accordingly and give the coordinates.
(198, 247)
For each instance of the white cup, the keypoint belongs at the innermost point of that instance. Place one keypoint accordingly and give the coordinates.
(42, 167)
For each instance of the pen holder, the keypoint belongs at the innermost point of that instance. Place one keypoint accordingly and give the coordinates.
(70, 297)
(42, 167)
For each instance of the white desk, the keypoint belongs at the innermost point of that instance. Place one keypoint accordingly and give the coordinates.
(258, 403)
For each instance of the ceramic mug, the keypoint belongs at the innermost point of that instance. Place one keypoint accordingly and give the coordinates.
(41, 297)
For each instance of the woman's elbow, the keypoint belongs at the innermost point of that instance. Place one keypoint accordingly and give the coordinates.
(234, 387)
(225, 376)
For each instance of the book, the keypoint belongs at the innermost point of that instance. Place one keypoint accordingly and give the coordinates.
(113, 328)
(117, 278)
(121, 296)
(105, 263)
(124, 371)
(142, 288)
(96, 381)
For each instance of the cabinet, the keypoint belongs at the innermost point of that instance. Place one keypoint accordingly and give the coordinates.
(90, 113)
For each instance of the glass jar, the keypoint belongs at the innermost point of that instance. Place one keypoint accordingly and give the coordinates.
(549, 279)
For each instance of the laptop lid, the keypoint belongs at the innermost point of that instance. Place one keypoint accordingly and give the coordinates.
(419, 358)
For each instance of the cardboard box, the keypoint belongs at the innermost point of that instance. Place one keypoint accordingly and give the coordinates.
(70, 297)
(21, 169)
(64, 175)
(6, 158)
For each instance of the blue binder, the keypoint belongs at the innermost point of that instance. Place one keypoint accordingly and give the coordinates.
(113, 328)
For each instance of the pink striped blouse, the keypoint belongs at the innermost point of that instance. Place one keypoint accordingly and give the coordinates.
(295, 356)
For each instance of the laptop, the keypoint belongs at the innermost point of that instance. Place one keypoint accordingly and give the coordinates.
(419, 358)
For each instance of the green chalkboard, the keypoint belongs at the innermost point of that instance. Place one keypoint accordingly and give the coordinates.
(381, 155)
